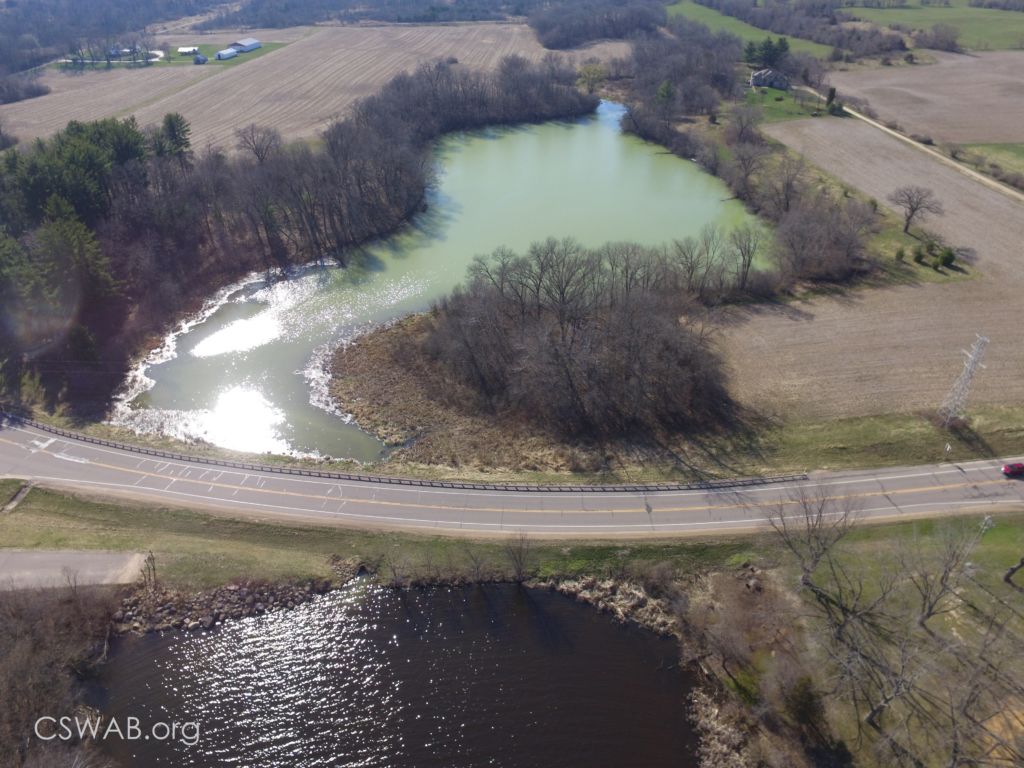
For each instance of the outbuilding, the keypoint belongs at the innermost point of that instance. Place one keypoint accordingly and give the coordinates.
(188, 50)
(227, 53)
(247, 44)
(199, 59)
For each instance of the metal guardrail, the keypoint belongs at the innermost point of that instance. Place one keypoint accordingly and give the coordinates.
(386, 480)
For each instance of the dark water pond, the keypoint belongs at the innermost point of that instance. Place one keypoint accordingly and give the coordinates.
(481, 676)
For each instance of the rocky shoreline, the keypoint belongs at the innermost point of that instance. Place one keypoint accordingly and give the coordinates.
(159, 609)
(626, 601)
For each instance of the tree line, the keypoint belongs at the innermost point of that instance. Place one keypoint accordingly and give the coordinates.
(567, 25)
(690, 72)
(820, 21)
(273, 13)
(588, 342)
(36, 32)
(111, 229)
(1002, 5)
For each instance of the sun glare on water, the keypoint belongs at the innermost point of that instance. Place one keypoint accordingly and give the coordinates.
(242, 420)
(241, 335)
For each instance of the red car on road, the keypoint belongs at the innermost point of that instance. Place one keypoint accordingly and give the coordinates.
(1013, 470)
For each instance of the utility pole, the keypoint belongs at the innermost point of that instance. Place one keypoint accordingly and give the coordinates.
(953, 406)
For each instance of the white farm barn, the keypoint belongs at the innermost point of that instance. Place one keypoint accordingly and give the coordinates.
(247, 44)
(188, 50)
(227, 53)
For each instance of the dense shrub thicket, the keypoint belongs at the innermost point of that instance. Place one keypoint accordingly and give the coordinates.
(1002, 5)
(49, 638)
(567, 25)
(6, 139)
(817, 20)
(109, 228)
(689, 71)
(940, 37)
(18, 87)
(585, 342)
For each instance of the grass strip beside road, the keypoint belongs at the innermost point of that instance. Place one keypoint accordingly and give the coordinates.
(195, 550)
(8, 490)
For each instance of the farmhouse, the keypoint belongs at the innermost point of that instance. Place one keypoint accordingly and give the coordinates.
(227, 53)
(188, 50)
(769, 78)
(247, 44)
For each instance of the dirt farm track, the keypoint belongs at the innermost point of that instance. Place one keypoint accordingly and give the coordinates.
(889, 349)
(297, 89)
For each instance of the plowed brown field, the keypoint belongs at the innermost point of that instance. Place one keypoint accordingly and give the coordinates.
(94, 94)
(891, 349)
(297, 89)
(977, 98)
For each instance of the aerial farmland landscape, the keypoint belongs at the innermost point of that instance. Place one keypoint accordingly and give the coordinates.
(569, 383)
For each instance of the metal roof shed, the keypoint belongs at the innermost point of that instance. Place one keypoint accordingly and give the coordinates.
(247, 44)
(227, 53)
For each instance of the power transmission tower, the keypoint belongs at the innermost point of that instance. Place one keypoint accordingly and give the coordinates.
(956, 400)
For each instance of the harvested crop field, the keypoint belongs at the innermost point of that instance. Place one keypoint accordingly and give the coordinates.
(94, 94)
(895, 349)
(297, 89)
(976, 98)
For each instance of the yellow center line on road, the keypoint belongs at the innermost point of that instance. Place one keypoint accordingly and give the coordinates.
(453, 508)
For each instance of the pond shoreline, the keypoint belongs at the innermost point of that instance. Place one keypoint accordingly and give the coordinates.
(256, 343)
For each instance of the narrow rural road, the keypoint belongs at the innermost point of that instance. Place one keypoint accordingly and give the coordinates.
(32, 454)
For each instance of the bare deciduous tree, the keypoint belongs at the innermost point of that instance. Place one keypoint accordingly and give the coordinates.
(262, 142)
(925, 666)
(517, 549)
(747, 161)
(916, 203)
(743, 122)
(811, 522)
(746, 243)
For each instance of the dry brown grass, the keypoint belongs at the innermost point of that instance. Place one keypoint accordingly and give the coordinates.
(970, 99)
(895, 349)
(393, 391)
(297, 89)
(49, 639)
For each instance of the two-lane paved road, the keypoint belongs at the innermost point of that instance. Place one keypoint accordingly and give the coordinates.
(29, 453)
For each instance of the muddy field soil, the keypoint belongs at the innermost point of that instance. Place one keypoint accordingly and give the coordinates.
(976, 98)
(892, 349)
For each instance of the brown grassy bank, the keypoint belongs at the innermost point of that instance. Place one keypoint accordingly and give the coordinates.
(397, 392)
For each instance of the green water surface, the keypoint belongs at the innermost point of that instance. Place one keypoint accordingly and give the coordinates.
(250, 376)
